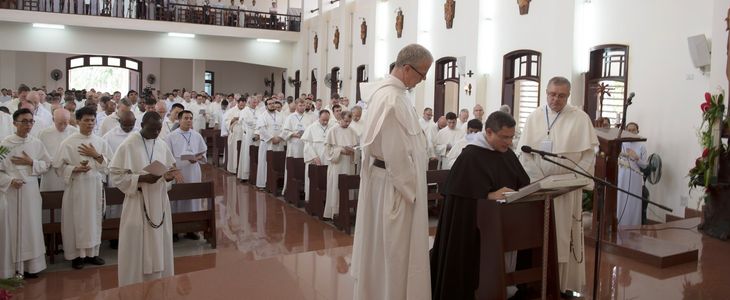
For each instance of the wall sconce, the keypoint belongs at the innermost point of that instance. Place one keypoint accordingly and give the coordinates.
(467, 89)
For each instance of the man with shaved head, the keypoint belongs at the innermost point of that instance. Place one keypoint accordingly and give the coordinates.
(112, 121)
(116, 136)
(52, 137)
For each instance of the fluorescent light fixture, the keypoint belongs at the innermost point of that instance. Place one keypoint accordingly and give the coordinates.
(51, 26)
(184, 35)
(268, 40)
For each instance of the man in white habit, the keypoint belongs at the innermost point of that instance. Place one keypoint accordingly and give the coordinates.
(82, 161)
(247, 119)
(294, 126)
(145, 227)
(112, 121)
(235, 131)
(116, 136)
(632, 159)
(447, 137)
(51, 138)
(268, 128)
(390, 257)
(170, 123)
(6, 265)
(19, 174)
(473, 126)
(313, 138)
(200, 113)
(357, 123)
(427, 120)
(564, 129)
(339, 151)
(161, 109)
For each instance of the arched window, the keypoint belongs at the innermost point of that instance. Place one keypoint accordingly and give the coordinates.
(362, 76)
(605, 90)
(446, 89)
(521, 83)
(104, 73)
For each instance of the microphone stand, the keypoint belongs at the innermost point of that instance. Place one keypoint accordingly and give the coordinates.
(601, 196)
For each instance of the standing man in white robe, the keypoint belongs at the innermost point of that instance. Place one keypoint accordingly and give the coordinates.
(339, 151)
(247, 119)
(314, 137)
(561, 128)
(473, 126)
(19, 174)
(82, 161)
(235, 131)
(6, 265)
(447, 137)
(357, 123)
(427, 120)
(268, 128)
(390, 257)
(170, 123)
(145, 228)
(294, 126)
(463, 117)
(116, 136)
(51, 138)
(112, 121)
(632, 159)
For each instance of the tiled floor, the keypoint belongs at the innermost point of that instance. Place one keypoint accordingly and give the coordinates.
(270, 250)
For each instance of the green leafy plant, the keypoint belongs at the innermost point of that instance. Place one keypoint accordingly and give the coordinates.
(703, 172)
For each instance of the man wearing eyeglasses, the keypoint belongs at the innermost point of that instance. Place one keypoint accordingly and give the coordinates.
(390, 252)
(19, 174)
(564, 129)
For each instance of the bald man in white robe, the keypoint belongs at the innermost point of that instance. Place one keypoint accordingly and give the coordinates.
(51, 138)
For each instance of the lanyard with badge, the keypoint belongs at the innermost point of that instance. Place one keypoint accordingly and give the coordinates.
(187, 140)
(547, 144)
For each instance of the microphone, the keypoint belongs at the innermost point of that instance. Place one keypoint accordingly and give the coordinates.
(631, 95)
(528, 149)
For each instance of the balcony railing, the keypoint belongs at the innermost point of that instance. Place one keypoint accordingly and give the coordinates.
(163, 10)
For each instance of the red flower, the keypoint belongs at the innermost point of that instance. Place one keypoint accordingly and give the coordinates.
(705, 107)
(708, 98)
(5, 295)
(705, 152)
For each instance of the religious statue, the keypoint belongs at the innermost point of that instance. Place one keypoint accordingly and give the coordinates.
(336, 40)
(524, 6)
(449, 12)
(253, 3)
(399, 23)
(363, 31)
(316, 41)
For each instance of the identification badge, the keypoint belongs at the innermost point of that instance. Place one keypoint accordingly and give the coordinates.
(546, 145)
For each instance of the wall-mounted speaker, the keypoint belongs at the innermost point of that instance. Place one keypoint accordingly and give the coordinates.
(699, 50)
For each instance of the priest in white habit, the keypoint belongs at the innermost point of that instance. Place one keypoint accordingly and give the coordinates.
(82, 161)
(235, 131)
(200, 113)
(112, 121)
(564, 129)
(189, 148)
(6, 266)
(427, 120)
(314, 137)
(145, 227)
(268, 128)
(19, 174)
(390, 257)
(170, 123)
(631, 161)
(51, 138)
(248, 118)
(447, 137)
(340, 146)
(357, 124)
(473, 126)
(116, 136)
(294, 126)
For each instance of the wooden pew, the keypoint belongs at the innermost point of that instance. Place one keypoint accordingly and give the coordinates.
(253, 153)
(238, 154)
(209, 136)
(274, 171)
(221, 146)
(433, 164)
(317, 190)
(52, 229)
(345, 219)
(435, 179)
(294, 180)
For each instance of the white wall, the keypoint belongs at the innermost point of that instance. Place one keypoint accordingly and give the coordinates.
(233, 77)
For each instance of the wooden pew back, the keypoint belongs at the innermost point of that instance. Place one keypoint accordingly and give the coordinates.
(346, 219)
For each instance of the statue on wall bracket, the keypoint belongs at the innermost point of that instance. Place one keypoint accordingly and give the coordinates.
(316, 41)
(336, 40)
(363, 31)
(524, 6)
(449, 13)
(399, 23)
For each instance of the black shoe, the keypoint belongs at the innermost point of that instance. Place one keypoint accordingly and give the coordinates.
(568, 294)
(97, 261)
(77, 263)
(30, 275)
(192, 236)
(175, 238)
(114, 244)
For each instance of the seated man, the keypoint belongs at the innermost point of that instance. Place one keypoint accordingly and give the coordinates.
(487, 168)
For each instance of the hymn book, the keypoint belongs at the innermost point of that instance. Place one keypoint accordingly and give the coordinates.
(552, 183)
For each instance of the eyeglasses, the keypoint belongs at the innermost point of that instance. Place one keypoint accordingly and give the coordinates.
(423, 77)
(26, 122)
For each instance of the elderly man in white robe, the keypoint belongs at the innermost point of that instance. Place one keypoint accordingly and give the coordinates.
(447, 137)
(631, 161)
(561, 128)
(19, 173)
(292, 131)
(314, 137)
(51, 138)
(390, 257)
(427, 120)
(339, 144)
(247, 119)
(116, 136)
(357, 123)
(478, 112)
(82, 161)
(161, 109)
(463, 117)
(189, 148)
(145, 228)
(43, 118)
(235, 132)
(268, 129)
(112, 121)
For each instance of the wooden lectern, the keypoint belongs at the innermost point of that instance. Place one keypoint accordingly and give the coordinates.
(610, 140)
(524, 223)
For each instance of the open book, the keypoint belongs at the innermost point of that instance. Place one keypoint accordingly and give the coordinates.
(566, 182)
